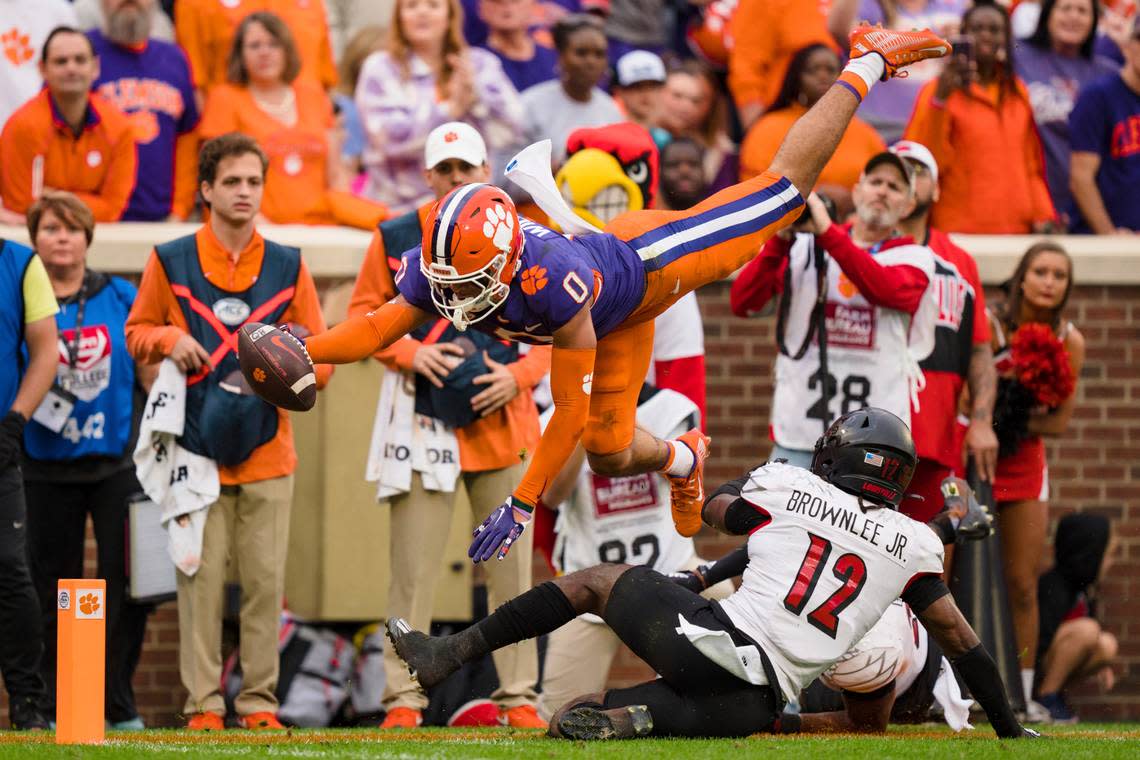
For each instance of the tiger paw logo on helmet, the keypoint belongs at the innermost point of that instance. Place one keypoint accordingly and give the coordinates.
(533, 280)
(499, 227)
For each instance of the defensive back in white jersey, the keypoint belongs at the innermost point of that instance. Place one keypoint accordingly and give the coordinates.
(822, 570)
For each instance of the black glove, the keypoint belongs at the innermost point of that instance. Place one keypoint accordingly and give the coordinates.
(11, 438)
(694, 580)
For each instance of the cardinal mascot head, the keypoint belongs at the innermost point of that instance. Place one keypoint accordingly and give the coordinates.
(608, 171)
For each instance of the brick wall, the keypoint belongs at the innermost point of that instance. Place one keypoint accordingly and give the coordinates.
(1091, 467)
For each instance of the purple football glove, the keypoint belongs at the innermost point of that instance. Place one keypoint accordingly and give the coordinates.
(503, 527)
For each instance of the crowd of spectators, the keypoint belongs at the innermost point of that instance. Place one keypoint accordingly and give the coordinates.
(1032, 125)
(1005, 117)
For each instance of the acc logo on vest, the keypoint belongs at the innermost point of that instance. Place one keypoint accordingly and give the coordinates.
(231, 311)
(92, 372)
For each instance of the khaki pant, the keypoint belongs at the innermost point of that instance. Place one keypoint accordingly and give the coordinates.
(580, 653)
(249, 526)
(419, 526)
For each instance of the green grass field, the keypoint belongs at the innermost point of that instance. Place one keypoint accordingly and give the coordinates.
(1102, 741)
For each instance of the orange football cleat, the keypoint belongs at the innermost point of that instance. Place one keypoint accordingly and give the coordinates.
(897, 49)
(523, 716)
(260, 721)
(402, 717)
(206, 721)
(688, 493)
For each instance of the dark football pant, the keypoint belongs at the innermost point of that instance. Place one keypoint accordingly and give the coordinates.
(21, 645)
(694, 696)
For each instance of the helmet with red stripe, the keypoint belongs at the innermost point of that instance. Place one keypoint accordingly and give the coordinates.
(471, 249)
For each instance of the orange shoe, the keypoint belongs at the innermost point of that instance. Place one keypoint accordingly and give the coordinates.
(260, 721)
(688, 493)
(523, 716)
(402, 717)
(897, 49)
(206, 721)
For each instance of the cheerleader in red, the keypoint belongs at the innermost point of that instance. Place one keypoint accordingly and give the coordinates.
(1037, 293)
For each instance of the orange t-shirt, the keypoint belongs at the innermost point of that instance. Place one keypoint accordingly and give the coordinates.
(156, 323)
(98, 164)
(492, 442)
(298, 155)
(766, 34)
(991, 166)
(860, 142)
(205, 30)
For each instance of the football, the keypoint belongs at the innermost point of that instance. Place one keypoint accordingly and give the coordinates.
(277, 366)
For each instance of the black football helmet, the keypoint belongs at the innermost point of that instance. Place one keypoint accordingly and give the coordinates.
(867, 453)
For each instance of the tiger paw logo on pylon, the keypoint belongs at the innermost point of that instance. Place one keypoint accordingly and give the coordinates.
(533, 280)
(17, 47)
(89, 604)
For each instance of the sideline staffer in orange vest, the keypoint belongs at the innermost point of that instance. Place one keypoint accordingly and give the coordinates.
(497, 427)
(195, 293)
(67, 138)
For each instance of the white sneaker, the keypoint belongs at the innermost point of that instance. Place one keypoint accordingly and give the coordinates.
(1035, 712)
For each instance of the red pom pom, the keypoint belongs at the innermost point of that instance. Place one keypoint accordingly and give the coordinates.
(1041, 364)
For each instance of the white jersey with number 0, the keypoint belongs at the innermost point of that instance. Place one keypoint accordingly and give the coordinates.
(872, 352)
(821, 570)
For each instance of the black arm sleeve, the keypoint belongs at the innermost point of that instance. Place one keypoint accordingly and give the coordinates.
(943, 528)
(733, 487)
(728, 566)
(740, 518)
(981, 675)
(923, 592)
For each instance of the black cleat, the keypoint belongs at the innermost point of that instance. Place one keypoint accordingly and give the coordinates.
(24, 714)
(592, 723)
(428, 658)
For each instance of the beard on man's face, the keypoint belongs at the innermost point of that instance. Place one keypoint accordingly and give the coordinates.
(129, 23)
(920, 208)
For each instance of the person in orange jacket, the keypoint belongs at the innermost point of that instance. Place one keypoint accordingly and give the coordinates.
(977, 120)
(195, 294)
(493, 434)
(67, 138)
(766, 34)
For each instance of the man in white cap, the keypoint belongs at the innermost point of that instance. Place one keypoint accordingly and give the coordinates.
(962, 354)
(637, 89)
(472, 403)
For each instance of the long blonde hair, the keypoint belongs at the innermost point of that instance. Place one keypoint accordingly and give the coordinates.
(453, 42)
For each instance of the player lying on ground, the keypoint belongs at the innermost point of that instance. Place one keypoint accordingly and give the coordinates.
(595, 297)
(828, 553)
(895, 673)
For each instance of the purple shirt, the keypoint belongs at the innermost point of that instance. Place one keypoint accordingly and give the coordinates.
(889, 104)
(523, 74)
(398, 113)
(568, 267)
(1106, 121)
(1054, 81)
(154, 87)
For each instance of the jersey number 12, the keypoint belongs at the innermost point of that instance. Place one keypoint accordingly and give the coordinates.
(849, 568)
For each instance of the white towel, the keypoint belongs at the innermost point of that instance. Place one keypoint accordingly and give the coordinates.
(955, 707)
(181, 483)
(403, 441)
(530, 170)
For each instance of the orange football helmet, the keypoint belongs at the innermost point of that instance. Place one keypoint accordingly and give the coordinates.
(471, 250)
